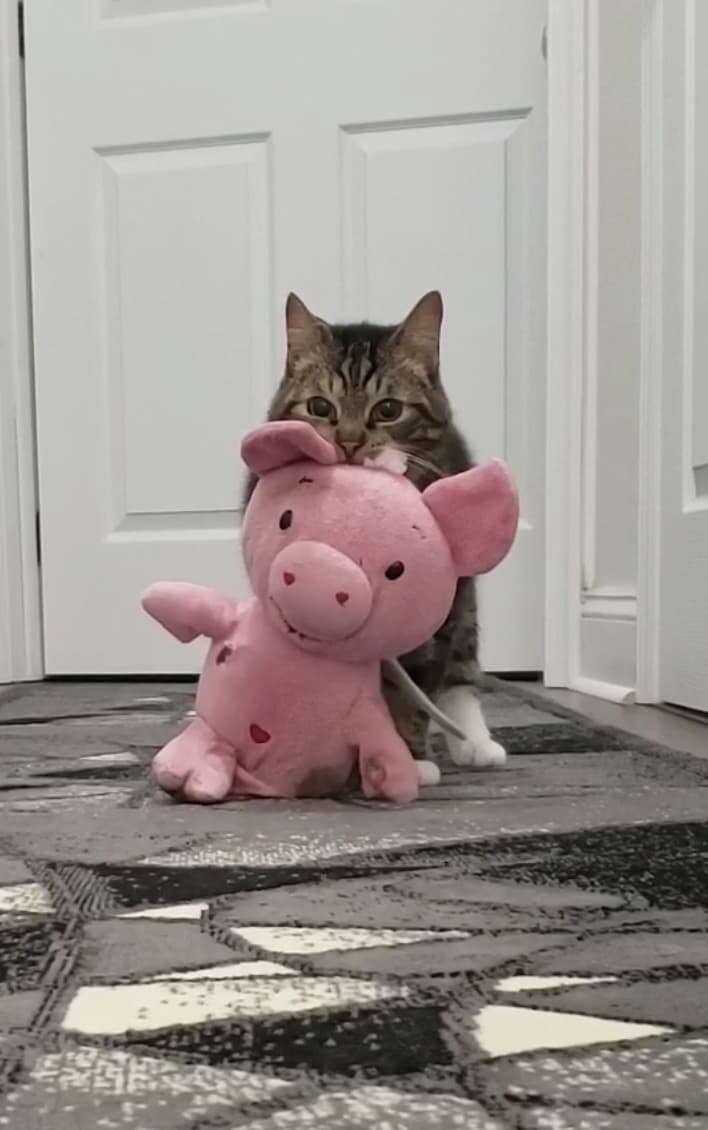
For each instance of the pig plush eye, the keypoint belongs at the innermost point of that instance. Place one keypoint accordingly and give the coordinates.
(396, 570)
(286, 520)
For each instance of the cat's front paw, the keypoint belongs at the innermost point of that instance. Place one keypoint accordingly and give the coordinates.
(478, 749)
(478, 753)
(428, 773)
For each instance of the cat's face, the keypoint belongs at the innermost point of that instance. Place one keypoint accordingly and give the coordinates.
(368, 387)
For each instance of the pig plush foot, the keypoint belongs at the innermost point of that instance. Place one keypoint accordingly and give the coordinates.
(196, 765)
(389, 778)
(479, 749)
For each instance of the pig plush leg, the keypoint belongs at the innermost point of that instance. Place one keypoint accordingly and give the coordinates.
(390, 773)
(196, 764)
(386, 765)
(479, 748)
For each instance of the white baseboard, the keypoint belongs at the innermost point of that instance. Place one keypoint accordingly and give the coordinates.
(608, 651)
(611, 692)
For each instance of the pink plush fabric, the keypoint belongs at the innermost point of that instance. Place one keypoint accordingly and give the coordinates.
(349, 565)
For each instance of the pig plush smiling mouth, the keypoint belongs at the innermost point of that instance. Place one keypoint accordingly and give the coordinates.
(321, 595)
(349, 566)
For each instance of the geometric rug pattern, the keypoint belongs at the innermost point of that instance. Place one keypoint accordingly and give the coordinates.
(524, 948)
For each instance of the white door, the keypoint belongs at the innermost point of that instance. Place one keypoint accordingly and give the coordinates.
(683, 635)
(191, 161)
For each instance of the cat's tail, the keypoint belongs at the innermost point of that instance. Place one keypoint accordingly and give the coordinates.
(398, 675)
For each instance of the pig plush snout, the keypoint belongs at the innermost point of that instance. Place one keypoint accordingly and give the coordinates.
(319, 592)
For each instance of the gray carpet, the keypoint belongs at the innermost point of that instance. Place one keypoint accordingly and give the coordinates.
(524, 948)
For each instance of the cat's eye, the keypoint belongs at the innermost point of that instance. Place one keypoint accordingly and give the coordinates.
(286, 520)
(396, 570)
(386, 411)
(321, 408)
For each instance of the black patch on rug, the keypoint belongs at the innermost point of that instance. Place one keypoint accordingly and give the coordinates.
(98, 773)
(27, 945)
(371, 1042)
(559, 737)
(132, 887)
(665, 864)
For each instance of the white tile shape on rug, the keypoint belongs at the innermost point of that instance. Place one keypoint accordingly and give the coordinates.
(133, 1082)
(536, 984)
(378, 1108)
(508, 1030)
(571, 1118)
(227, 972)
(124, 758)
(112, 1010)
(180, 911)
(70, 799)
(297, 848)
(25, 898)
(304, 940)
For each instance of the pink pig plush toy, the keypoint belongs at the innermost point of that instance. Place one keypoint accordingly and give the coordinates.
(350, 566)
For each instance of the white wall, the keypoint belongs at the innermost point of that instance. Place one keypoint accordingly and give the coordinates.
(610, 426)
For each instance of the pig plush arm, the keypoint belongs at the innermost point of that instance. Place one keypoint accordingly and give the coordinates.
(386, 765)
(188, 611)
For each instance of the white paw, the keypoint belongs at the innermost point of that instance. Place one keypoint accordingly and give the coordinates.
(478, 749)
(428, 773)
(482, 753)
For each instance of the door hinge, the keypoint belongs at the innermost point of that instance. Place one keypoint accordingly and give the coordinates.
(38, 537)
(21, 28)
(544, 43)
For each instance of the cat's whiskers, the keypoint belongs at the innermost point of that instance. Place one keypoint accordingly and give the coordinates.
(418, 461)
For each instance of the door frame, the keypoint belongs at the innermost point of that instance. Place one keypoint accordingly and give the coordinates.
(572, 346)
(20, 613)
(652, 359)
(567, 338)
(569, 138)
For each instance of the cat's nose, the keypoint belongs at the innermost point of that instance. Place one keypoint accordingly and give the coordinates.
(350, 447)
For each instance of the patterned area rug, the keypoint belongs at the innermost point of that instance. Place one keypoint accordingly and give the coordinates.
(524, 948)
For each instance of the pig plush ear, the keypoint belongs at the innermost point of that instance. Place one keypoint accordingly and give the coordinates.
(478, 511)
(284, 441)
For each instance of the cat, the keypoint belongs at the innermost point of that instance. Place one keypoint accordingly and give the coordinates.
(368, 387)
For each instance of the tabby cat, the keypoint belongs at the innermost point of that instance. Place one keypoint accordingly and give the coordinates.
(368, 387)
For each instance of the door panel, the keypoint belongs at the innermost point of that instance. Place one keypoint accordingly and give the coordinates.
(187, 230)
(190, 163)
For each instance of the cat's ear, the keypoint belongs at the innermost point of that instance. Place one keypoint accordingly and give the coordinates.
(478, 512)
(304, 330)
(420, 330)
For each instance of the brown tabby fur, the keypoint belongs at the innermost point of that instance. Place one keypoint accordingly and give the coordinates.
(355, 367)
